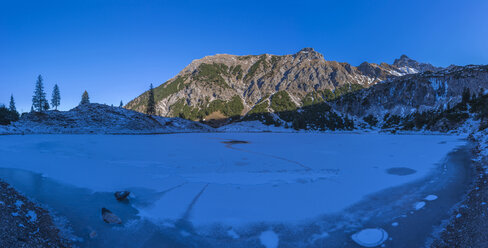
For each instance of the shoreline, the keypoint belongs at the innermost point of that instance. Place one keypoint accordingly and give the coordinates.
(24, 223)
(469, 219)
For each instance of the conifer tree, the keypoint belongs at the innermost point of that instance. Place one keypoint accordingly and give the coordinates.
(56, 97)
(466, 95)
(12, 104)
(39, 99)
(13, 110)
(85, 99)
(151, 105)
(121, 104)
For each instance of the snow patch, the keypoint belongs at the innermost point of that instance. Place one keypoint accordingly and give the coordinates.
(19, 203)
(233, 234)
(316, 237)
(32, 216)
(430, 198)
(370, 237)
(269, 239)
(419, 205)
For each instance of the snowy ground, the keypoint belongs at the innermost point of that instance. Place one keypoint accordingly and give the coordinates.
(232, 190)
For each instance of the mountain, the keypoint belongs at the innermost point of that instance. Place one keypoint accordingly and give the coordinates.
(416, 92)
(224, 86)
(410, 66)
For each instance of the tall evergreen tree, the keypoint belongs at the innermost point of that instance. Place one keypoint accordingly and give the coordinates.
(39, 99)
(13, 110)
(466, 95)
(151, 104)
(121, 104)
(12, 107)
(56, 97)
(85, 99)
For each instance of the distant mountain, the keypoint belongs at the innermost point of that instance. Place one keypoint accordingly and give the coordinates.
(223, 86)
(410, 66)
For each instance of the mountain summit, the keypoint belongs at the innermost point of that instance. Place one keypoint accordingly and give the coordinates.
(409, 65)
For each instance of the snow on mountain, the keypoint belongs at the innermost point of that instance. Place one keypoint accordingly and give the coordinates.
(101, 119)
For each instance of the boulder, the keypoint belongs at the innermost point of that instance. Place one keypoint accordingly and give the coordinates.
(110, 217)
(121, 195)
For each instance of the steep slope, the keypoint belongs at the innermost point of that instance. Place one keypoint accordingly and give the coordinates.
(416, 92)
(223, 86)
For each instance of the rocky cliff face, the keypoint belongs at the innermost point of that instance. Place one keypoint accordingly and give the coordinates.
(416, 92)
(224, 85)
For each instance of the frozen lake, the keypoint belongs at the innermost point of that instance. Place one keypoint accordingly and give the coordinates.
(237, 189)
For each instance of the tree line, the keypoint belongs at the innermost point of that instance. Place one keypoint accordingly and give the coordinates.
(40, 103)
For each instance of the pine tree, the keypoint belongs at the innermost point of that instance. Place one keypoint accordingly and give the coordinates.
(13, 110)
(85, 99)
(466, 95)
(56, 97)
(12, 107)
(39, 99)
(151, 105)
(121, 104)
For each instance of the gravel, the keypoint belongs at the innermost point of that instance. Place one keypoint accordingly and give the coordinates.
(24, 224)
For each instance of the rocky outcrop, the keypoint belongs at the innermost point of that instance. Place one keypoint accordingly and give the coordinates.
(228, 85)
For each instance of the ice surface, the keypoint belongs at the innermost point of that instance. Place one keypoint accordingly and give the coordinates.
(202, 180)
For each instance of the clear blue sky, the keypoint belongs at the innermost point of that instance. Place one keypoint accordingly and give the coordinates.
(115, 49)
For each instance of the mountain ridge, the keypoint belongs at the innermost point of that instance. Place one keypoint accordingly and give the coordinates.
(224, 86)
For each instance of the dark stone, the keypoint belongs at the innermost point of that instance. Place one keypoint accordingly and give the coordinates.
(121, 195)
(400, 171)
(110, 217)
(232, 142)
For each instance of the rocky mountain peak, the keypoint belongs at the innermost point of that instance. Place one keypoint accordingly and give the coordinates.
(404, 60)
(409, 65)
(308, 53)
